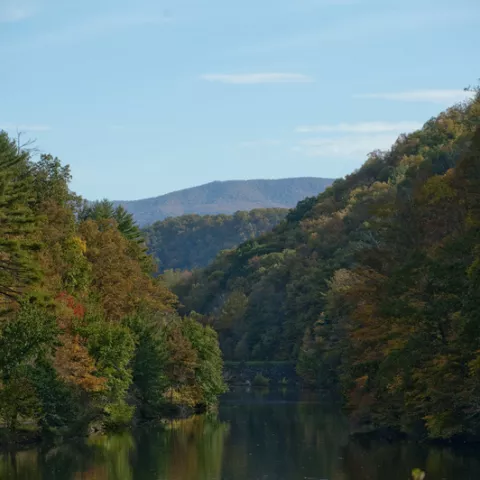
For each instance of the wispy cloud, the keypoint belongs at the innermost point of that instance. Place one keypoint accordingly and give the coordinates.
(25, 127)
(362, 127)
(257, 78)
(431, 96)
(265, 142)
(15, 10)
(348, 147)
(351, 140)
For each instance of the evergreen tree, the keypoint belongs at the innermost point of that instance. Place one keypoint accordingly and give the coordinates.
(126, 224)
(105, 210)
(17, 222)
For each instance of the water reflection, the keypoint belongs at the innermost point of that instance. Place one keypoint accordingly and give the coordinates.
(186, 449)
(258, 434)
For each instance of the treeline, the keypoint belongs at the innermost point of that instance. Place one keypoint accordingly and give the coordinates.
(193, 241)
(88, 337)
(373, 287)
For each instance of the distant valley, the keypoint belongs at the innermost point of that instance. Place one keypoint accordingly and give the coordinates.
(225, 197)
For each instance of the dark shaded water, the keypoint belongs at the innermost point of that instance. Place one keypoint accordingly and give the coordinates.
(257, 435)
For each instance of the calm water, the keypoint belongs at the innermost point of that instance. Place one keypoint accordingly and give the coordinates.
(257, 435)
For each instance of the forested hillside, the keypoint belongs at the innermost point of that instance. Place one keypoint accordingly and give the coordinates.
(88, 337)
(373, 286)
(193, 241)
(226, 198)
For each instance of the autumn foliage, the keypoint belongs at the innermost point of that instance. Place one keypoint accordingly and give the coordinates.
(372, 287)
(88, 336)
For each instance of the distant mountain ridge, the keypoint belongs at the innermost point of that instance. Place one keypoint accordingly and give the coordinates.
(225, 197)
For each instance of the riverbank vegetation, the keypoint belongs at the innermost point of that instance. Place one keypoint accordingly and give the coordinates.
(88, 337)
(372, 287)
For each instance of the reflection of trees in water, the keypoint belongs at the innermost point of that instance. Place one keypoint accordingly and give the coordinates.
(377, 460)
(111, 458)
(197, 449)
(188, 449)
(283, 439)
(311, 440)
(264, 434)
(99, 458)
(19, 466)
(182, 450)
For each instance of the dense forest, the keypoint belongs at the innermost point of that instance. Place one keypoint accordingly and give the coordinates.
(88, 337)
(193, 241)
(226, 198)
(373, 287)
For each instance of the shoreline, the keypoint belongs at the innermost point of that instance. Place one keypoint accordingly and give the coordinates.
(24, 438)
(27, 438)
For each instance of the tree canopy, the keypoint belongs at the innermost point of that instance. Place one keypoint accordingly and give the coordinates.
(193, 241)
(372, 287)
(85, 328)
(17, 222)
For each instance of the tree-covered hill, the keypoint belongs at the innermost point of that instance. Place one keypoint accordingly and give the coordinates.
(225, 197)
(88, 336)
(193, 241)
(373, 287)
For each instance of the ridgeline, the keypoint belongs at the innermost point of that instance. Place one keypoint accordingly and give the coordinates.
(372, 287)
(225, 198)
(193, 241)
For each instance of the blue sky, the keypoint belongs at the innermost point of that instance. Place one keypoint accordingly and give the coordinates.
(143, 97)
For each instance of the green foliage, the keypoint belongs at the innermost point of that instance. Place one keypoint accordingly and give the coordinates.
(372, 287)
(192, 241)
(119, 415)
(26, 340)
(18, 268)
(99, 210)
(150, 380)
(51, 180)
(418, 474)
(18, 399)
(112, 347)
(309, 368)
(106, 216)
(260, 380)
(208, 372)
(60, 408)
(105, 210)
(95, 338)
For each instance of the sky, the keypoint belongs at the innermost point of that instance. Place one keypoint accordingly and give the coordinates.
(144, 97)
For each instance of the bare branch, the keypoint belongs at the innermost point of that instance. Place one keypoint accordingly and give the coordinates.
(27, 146)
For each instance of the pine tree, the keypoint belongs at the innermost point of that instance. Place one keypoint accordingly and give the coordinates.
(17, 222)
(127, 225)
(105, 210)
(98, 210)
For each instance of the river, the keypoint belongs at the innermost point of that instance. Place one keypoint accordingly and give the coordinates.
(257, 435)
